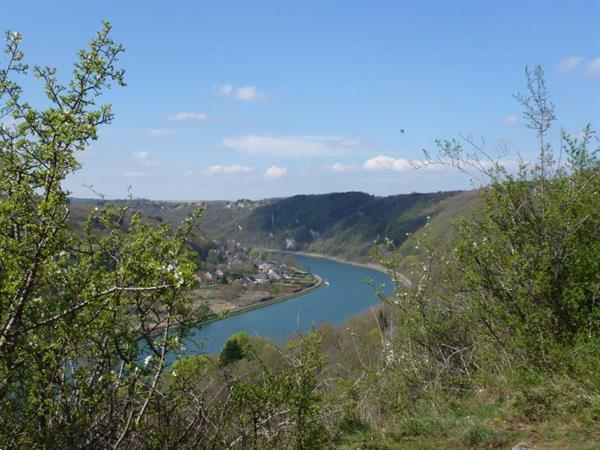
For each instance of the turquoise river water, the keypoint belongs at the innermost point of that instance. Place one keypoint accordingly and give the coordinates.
(345, 294)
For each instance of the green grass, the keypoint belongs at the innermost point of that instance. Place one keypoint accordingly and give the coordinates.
(490, 419)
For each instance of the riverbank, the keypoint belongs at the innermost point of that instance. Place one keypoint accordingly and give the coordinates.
(372, 266)
(343, 294)
(319, 283)
(283, 298)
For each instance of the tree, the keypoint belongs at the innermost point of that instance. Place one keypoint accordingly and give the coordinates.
(530, 261)
(236, 347)
(87, 322)
(522, 279)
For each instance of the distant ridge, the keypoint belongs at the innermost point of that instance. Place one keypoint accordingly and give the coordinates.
(345, 224)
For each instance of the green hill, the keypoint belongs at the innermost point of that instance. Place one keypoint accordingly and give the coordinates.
(152, 211)
(340, 224)
(344, 224)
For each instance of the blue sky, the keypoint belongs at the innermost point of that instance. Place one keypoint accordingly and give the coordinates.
(249, 99)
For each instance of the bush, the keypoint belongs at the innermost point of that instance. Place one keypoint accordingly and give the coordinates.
(236, 347)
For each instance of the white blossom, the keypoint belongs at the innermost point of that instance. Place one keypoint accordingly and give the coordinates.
(388, 353)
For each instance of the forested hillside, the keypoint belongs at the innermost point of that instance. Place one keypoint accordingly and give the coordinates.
(153, 213)
(345, 224)
(341, 224)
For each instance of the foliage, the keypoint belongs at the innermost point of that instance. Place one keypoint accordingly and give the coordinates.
(87, 320)
(235, 348)
(273, 400)
(529, 262)
(509, 303)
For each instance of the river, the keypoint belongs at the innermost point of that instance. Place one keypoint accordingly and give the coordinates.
(344, 294)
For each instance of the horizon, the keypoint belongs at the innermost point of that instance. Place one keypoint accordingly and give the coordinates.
(255, 100)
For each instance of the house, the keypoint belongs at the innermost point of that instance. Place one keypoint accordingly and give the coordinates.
(264, 267)
(261, 278)
(273, 275)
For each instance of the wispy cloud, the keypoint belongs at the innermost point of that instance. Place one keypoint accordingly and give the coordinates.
(242, 94)
(292, 146)
(224, 89)
(511, 120)
(140, 155)
(248, 94)
(339, 167)
(183, 116)
(144, 157)
(275, 172)
(569, 64)
(593, 68)
(382, 162)
(234, 169)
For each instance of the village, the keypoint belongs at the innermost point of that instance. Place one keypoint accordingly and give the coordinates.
(231, 270)
(234, 276)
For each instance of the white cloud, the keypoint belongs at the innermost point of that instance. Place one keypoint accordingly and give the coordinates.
(144, 157)
(234, 169)
(225, 89)
(141, 155)
(511, 120)
(339, 167)
(387, 163)
(382, 162)
(308, 146)
(593, 68)
(248, 94)
(569, 64)
(179, 117)
(242, 94)
(275, 172)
